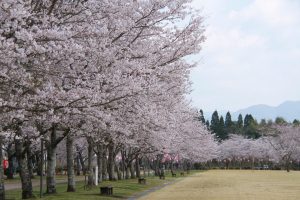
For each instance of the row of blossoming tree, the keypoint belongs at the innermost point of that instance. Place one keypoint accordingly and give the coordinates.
(104, 78)
(279, 145)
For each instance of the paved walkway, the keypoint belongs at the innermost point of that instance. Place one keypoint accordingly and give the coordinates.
(142, 194)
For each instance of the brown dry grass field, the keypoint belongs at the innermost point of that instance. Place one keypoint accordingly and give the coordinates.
(233, 185)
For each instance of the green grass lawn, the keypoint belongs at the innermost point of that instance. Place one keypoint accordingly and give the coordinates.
(233, 185)
(121, 189)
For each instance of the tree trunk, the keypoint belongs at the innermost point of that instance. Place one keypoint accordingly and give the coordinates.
(77, 165)
(171, 166)
(227, 164)
(81, 163)
(30, 163)
(137, 167)
(104, 164)
(10, 155)
(119, 174)
(148, 166)
(156, 167)
(287, 165)
(99, 161)
(2, 189)
(132, 175)
(126, 163)
(91, 181)
(24, 173)
(70, 164)
(39, 163)
(123, 163)
(111, 161)
(127, 172)
(51, 163)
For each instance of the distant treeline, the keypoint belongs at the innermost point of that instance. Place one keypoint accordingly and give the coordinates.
(247, 126)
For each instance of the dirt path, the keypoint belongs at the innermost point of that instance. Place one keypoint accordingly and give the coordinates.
(36, 182)
(232, 185)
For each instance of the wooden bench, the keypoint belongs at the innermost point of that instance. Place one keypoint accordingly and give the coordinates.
(173, 175)
(182, 173)
(106, 190)
(142, 181)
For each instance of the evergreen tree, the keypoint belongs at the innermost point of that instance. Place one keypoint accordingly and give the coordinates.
(280, 121)
(217, 126)
(248, 120)
(270, 122)
(201, 117)
(250, 127)
(222, 123)
(238, 125)
(240, 121)
(207, 124)
(263, 122)
(215, 122)
(221, 133)
(228, 123)
(296, 122)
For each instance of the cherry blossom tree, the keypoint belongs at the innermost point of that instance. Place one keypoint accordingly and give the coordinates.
(2, 188)
(285, 141)
(112, 72)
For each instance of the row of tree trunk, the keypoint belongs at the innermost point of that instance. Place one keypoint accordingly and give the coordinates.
(106, 161)
(105, 155)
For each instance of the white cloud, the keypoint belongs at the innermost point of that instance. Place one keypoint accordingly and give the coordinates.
(233, 38)
(251, 55)
(278, 13)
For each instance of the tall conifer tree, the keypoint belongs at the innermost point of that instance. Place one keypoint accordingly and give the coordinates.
(240, 121)
(215, 122)
(201, 116)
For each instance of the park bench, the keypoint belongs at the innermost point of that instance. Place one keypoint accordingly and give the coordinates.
(173, 174)
(182, 173)
(142, 181)
(162, 176)
(106, 190)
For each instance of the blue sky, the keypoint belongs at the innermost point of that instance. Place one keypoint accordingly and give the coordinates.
(251, 56)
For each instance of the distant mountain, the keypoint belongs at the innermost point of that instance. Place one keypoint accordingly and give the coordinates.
(289, 110)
